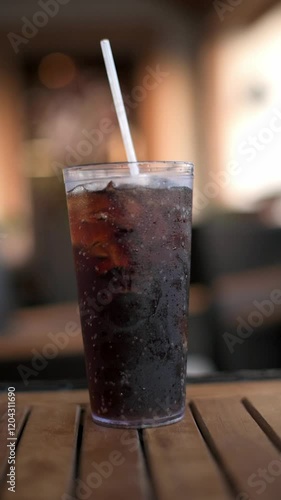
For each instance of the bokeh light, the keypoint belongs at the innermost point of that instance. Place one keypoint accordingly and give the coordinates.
(56, 70)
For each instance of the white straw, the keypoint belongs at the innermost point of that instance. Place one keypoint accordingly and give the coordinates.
(119, 106)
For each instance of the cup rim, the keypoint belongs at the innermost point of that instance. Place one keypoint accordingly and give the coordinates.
(117, 169)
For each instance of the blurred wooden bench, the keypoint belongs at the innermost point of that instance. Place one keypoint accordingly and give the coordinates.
(34, 328)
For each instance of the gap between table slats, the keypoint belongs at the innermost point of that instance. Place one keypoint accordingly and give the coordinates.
(266, 410)
(181, 464)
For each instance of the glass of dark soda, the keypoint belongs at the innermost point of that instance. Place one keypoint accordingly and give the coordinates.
(131, 238)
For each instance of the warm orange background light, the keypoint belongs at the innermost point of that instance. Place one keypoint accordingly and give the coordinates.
(56, 70)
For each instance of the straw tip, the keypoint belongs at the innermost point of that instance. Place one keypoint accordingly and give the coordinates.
(104, 41)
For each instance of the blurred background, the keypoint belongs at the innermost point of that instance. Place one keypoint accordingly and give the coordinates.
(202, 82)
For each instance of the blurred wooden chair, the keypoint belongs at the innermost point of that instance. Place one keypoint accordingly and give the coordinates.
(241, 262)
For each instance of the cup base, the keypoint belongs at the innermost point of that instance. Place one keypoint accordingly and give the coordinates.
(138, 423)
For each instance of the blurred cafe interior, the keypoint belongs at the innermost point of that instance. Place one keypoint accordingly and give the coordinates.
(202, 83)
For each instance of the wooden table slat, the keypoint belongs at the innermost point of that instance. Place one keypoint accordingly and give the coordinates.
(111, 464)
(242, 448)
(45, 454)
(181, 465)
(110, 459)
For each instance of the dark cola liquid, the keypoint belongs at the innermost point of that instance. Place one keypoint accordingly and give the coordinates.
(132, 256)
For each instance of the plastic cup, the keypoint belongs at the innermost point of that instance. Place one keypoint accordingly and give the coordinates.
(131, 240)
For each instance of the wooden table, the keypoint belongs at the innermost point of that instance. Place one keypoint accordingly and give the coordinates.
(227, 447)
(35, 327)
